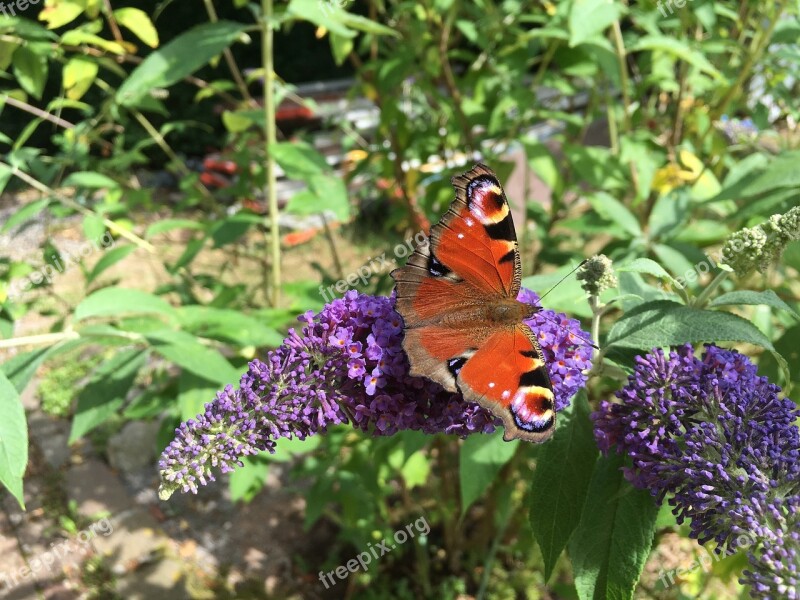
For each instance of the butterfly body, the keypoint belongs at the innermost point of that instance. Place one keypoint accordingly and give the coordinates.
(464, 327)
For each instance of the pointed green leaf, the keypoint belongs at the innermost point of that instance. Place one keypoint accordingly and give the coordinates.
(480, 460)
(105, 393)
(114, 301)
(612, 541)
(564, 468)
(179, 58)
(766, 298)
(13, 439)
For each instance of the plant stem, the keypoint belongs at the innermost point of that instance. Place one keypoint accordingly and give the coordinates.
(41, 339)
(231, 62)
(155, 134)
(270, 139)
(112, 226)
(619, 44)
(703, 298)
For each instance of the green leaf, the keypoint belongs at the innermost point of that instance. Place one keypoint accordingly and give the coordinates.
(647, 267)
(109, 259)
(93, 227)
(246, 481)
(13, 439)
(781, 172)
(25, 213)
(178, 59)
(78, 76)
(665, 323)
(139, 24)
(679, 49)
(57, 14)
(331, 16)
(564, 468)
(30, 69)
(612, 541)
(172, 224)
(193, 394)
(766, 298)
(106, 391)
(115, 301)
(416, 469)
(288, 448)
(589, 18)
(7, 50)
(227, 325)
(669, 213)
(298, 159)
(615, 211)
(332, 195)
(480, 460)
(21, 368)
(90, 180)
(231, 228)
(188, 353)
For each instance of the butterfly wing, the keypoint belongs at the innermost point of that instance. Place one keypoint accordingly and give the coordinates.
(471, 256)
(472, 262)
(507, 375)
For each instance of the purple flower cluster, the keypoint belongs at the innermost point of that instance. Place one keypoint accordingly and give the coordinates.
(347, 365)
(719, 441)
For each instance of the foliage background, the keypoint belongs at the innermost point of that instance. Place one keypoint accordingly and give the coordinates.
(670, 128)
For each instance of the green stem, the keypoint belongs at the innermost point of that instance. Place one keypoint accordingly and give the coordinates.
(231, 62)
(619, 44)
(270, 139)
(702, 299)
(44, 339)
(156, 136)
(112, 226)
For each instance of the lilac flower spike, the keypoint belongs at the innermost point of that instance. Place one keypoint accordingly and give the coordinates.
(347, 365)
(718, 440)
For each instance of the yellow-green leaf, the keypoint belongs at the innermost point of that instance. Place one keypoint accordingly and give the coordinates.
(57, 13)
(6, 52)
(79, 74)
(139, 23)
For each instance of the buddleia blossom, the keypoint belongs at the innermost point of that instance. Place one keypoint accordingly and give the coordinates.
(717, 440)
(347, 365)
(756, 248)
(597, 275)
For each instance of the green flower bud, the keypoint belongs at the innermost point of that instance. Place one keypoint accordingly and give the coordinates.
(597, 275)
(756, 248)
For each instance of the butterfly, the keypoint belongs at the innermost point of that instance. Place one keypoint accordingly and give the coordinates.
(463, 324)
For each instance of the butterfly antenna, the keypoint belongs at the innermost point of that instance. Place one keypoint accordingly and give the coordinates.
(560, 281)
(583, 262)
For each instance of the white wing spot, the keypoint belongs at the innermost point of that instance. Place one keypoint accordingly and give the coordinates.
(461, 237)
(469, 222)
(491, 384)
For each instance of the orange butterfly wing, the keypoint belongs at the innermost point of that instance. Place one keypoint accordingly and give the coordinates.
(463, 324)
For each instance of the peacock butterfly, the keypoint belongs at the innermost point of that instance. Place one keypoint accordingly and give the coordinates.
(464, 326)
